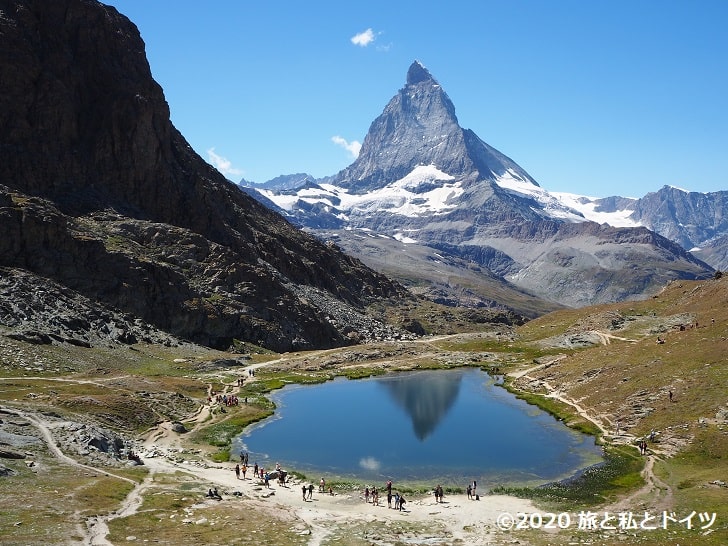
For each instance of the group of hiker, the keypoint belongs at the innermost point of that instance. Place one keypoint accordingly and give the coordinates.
(240, 470)
(395, 499)
(438, 493)
(373, 494)
(259, 472)
(227, 400)
(642, 443)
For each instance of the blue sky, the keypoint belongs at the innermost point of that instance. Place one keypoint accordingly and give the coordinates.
(592, 97)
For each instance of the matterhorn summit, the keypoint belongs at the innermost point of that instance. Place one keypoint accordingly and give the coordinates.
(419, 128)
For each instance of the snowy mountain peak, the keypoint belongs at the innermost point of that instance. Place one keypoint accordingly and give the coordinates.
(417, 73)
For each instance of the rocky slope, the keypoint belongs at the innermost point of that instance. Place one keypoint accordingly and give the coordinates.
(102, 195)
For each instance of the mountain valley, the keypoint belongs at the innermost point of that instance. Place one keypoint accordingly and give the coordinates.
(138, 287)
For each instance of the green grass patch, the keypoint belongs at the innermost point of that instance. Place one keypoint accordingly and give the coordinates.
(221, 456)
(362, 372)
(617, 475)
(221, 433)
(102, 495)
(560, 410)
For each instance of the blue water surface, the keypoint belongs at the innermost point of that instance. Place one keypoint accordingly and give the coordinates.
(445, 426)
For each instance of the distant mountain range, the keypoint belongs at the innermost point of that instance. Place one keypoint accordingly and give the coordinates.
(696, 221)
(433, 205)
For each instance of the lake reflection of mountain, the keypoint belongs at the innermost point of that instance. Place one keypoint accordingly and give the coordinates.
(425, 396)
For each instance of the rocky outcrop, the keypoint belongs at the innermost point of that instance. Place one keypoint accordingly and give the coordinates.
(40, 311)
(100, 193)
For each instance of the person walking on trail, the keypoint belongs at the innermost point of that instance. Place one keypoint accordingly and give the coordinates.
(237, 471)
(401, 503)
(303, 490)
(310, 491)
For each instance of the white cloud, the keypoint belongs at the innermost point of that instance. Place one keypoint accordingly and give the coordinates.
(369, 463)
(352, 147)
(222, 164)
(363, 39)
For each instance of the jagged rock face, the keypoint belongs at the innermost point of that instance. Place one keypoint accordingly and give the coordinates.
(419, 127)
(696, 221)
(100, 192)
(689, 218)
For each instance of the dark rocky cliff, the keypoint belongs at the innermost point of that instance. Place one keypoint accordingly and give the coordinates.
(99, 192)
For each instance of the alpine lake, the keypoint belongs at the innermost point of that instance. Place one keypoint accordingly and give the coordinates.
(446, 427)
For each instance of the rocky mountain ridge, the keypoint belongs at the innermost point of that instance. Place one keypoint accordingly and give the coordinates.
(421, 179)
(697, 221)
(102, 196)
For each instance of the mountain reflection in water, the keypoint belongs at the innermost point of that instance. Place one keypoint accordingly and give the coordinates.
(427, 397)
(448, 426)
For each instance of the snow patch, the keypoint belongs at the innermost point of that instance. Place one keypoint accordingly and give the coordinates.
(552, 206)
(400, 197)
(402, 238)
(587, 205)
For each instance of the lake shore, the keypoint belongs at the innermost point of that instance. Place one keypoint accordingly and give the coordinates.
(472, 521)
(476, 522)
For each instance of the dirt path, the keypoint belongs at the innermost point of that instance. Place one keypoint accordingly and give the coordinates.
(44, 428)
(655, 494)
(97, 382)
(326, 514)
(95, 530)
(524, 373)
(606, 339)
